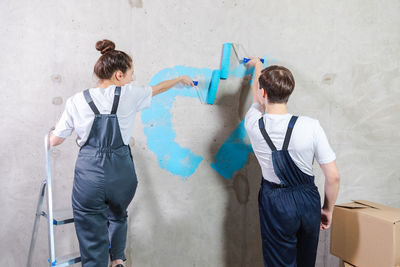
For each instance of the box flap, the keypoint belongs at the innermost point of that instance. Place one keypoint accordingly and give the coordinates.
(384, 212)
(369, 204)
(346, 264)
(352, 205)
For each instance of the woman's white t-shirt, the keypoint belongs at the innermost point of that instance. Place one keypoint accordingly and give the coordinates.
(78, 116)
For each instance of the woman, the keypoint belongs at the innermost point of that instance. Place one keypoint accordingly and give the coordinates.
(105, 180)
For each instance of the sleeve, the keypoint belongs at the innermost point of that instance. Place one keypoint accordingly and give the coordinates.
(65, 125)
(144, 95)
(254, 113)
(323, 151)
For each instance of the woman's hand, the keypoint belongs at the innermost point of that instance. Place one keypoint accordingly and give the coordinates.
(186, 80)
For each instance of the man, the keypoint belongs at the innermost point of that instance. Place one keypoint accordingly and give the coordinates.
(285, 146)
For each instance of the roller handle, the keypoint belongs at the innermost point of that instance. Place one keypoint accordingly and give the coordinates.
(245, 60)
(195, 83)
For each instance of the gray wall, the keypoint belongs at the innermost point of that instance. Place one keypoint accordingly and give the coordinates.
(345, 59)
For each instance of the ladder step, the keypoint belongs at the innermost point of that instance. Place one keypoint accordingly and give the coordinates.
(67, 260)
(61, 217)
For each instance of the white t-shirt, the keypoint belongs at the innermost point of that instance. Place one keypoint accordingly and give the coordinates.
(308, 140)
(79, 117)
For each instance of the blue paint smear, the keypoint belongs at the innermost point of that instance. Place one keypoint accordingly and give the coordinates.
(157, 120)
(233, 154)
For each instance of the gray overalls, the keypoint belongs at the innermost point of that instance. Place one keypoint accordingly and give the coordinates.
(104, 185)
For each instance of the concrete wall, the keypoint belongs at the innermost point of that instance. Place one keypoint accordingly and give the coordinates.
(345, 59)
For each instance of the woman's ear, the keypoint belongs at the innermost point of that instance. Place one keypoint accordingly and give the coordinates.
(119, 75)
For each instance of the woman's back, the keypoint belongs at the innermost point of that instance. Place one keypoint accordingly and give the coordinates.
(79, 117)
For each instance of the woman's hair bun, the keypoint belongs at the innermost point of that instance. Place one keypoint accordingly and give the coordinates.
(105, 46)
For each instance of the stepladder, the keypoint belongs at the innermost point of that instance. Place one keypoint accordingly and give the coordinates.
(54, 218)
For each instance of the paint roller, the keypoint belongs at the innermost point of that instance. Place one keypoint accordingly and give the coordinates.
(199, 92)
(223, 73)
(225, 62)
(213, 88)
(216, 75)
(226, 57)
(242, 54)
(217, 92)
(200, 95)
(245, 60)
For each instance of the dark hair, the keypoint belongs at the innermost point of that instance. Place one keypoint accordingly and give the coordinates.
(278, 82)
(111, 60)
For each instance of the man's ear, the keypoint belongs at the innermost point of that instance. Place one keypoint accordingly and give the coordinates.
(264, 93)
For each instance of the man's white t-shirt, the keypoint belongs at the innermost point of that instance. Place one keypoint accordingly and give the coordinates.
(308, 140)
(79, 117)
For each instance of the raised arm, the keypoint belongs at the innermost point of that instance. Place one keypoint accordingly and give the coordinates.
(256, 63)
(166, 85)
(332, 181)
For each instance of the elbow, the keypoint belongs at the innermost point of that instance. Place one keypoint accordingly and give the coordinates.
(334, 179)
(54, 140)
(337, 179)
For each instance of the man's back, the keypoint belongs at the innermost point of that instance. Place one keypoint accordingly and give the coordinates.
(308, 140)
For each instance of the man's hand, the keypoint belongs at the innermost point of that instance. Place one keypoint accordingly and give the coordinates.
(256, 63)
(326, 219)
(253, 62)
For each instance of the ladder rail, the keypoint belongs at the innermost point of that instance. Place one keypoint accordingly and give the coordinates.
(50, 216)
(54, 218)
(36, 223)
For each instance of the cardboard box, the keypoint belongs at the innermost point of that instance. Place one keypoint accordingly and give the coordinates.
(366, 234)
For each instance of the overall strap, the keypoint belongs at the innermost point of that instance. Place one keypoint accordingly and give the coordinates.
(117, 94)
(89, 100)
(289, 132)
(265, 134)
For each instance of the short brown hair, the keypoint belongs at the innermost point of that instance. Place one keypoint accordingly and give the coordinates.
(278, 82)
(111, 60)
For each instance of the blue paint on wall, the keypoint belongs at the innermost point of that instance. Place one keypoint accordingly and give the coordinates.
(157, 120)
(233, 154)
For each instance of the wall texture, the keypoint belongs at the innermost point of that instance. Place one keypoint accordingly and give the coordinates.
(345, 59)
